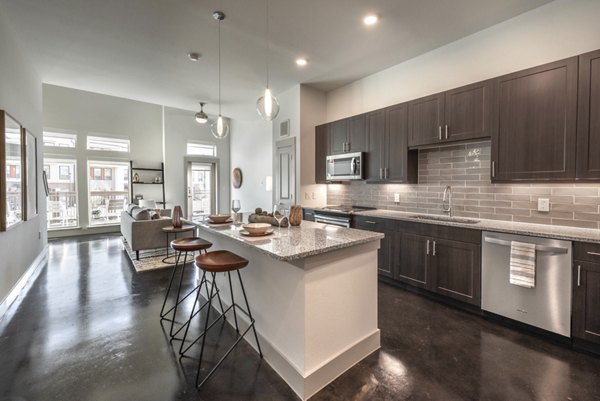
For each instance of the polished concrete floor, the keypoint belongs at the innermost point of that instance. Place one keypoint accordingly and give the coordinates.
(88, 330)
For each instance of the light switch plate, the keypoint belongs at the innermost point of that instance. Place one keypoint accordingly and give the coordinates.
(543, 205)
(397, 198)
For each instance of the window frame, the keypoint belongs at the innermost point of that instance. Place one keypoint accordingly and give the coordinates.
(108, 140)
(201, 144)
(59, 134)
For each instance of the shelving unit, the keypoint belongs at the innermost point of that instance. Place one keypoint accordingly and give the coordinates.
(160, 170)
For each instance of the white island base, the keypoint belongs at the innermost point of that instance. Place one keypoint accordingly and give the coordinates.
(316, 316)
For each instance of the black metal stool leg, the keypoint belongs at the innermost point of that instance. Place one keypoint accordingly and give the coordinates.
(212, 287)
(237, 329)
(178, 294)
(162, 310)
(192, 314)
(250, 314)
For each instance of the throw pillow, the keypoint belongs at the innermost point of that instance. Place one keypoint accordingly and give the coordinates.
(140, 214)
(130, 208)
(153, 214)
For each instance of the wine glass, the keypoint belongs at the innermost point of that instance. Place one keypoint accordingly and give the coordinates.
(279, 212)
(236, 206)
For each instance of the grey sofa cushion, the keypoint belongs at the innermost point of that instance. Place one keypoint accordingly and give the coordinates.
(140, 214)
(154, 215)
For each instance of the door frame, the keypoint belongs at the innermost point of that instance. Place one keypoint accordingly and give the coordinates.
(187, 164)
(279, 145)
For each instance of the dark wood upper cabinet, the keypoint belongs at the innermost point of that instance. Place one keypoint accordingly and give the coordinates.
(388, 158)
(468, 112)
(357, 134)
(425, 120)
(321, 152)
(534, 135)
(588, 127)
(338, 136)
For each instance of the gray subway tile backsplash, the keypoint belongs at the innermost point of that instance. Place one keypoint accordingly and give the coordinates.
(467, 169)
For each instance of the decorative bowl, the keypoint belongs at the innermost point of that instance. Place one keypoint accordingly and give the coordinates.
(219, 218)
(257, 228)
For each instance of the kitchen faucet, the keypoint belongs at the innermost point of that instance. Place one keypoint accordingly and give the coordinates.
(447, 207)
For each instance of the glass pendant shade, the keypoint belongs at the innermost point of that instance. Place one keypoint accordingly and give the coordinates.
(267, 106)
(220, 128)
(201, 116)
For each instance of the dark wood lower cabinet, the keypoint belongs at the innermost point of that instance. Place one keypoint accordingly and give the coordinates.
(385, 255)
(586, 301)
(413, 266)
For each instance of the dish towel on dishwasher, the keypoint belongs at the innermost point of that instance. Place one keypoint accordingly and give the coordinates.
(522, 264)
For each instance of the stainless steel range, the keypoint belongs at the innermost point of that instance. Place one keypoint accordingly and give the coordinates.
(338, 215)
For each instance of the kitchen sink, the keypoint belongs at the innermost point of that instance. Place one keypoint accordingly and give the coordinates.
(462, 220)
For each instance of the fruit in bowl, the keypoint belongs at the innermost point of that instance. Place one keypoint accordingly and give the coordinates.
(219, 218)
(257, 228)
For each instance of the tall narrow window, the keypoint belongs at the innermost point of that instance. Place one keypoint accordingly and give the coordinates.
(62, 207)
(108, 185)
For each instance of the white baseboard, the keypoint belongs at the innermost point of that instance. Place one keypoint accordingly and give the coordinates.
(24, 283)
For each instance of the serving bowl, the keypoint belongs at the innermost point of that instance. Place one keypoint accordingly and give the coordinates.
(257, 228)
(219, 218)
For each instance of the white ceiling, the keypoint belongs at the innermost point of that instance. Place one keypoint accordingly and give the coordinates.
(137, 48)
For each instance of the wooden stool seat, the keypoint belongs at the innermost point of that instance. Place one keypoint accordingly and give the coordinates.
(190, 244)
(220, 261)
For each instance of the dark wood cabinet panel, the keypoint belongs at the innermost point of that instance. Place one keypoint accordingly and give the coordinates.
(321, 152)
(386, 255)
(357, 134)
(588, 128)
(456, 270)
(400, 163)
(534, 135)
(414, 255)
(338, 136)
(425, 120)
(586, 301)
(376, 145)
(468, 112)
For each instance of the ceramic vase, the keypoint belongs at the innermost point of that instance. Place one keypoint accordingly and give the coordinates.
(295, 215)
(177, 213)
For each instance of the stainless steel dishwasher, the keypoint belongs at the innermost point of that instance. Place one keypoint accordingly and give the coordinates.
(548, 304)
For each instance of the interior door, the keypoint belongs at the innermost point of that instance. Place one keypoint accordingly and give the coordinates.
(285, 172)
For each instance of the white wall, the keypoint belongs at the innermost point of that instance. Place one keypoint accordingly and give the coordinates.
(557, 30)
(88, 113)
(21, 97)
(179, 127)
(251, 151)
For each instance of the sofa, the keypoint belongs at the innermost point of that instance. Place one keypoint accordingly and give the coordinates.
(141, 231)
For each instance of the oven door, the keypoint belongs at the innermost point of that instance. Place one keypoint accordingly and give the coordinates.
(341, 221)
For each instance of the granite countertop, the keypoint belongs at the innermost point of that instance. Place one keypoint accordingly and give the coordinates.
(538, 230)
(308, 239)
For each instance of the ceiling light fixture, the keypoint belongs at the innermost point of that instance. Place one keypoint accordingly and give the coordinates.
(301, 61)
(370, 19)
(201, 116)
(193, 56)
(267, 105)
(219, 128)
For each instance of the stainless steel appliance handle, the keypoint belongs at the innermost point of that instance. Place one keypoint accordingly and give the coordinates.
(353, 165)
(593, 253)
(433, 248)
(370, 222)
(578, 275)
(446, 128)
(538, 248)
(440, 132)
(341, 222)
(427, 252)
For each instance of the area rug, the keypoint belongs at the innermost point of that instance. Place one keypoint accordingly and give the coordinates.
(150, 259)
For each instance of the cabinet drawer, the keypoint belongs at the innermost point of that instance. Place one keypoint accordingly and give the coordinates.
(371, 223)
(586, 252)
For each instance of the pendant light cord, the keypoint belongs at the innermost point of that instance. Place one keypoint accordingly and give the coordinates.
(219, 68)
(268, 41)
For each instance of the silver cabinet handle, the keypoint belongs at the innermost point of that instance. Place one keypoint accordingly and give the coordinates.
(446, 128)
(593, 253)
(370, 222)
(385, 173)
(380, 173)
(427, 252)
(578, 275)
(433, 248)
(493, 169)
(440, 132)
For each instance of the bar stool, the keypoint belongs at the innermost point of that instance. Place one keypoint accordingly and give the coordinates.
(185, 246)
(220, 262)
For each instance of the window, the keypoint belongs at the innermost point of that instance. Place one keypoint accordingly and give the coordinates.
(60, 139)
(64, 172)
(108, 144)
(62, 205)
(201, 149)
(108, 185)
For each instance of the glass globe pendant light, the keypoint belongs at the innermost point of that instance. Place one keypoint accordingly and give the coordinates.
(267, 105)
(219, 128)
(201, 116)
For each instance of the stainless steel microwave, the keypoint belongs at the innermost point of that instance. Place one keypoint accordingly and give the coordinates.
(347, 166)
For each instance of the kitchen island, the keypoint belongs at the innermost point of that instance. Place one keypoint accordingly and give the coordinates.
(313, 292)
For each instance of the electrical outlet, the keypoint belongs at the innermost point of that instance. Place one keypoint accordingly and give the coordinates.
(543, 205)
(306, 197)
(397, 198)
(313, 195)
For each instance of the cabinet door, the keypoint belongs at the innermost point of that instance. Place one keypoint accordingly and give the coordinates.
(376, 136)
(456, 270)
(534, 135)
(338, 136)
(399, 162)
(357, 134)
(321, 152)
(385, 257)
(588, 129)
(425, 120)
(414, 255)
(586, 301)
(468, 112)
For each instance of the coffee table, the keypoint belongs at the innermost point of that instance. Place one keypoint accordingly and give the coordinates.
(172, 230)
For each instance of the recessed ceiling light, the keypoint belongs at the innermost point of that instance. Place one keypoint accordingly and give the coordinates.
(194, 56)
(370, 19)
(301, 61)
